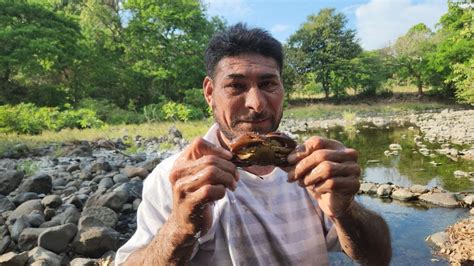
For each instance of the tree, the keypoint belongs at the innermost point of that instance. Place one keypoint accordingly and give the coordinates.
(39, 52)
(328, 47)
(370, 69)
(410, 53)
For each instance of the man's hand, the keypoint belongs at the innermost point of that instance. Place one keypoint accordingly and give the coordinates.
(329, 171)
(200, 176)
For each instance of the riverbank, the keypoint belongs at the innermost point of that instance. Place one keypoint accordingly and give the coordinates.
(75, 202)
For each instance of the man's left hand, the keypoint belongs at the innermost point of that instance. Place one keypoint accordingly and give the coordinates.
(329, 171)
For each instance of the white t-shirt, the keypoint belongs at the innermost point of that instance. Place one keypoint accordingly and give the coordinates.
(264, 222)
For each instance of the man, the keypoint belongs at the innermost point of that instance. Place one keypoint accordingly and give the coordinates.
(199, 208)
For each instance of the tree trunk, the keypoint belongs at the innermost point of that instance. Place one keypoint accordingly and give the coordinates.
(419, 85)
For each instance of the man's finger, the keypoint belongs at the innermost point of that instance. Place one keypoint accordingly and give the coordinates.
(201, 147)
(311, 145)
(207, 176)
(327, 170)
(342, 185)
(207, 194)
(317, 157)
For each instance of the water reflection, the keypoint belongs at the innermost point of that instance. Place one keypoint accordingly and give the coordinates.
(409, 166)
(410, 224)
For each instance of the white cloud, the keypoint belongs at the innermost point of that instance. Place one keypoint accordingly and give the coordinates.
(229, 9)
(381, 22)
(279, 28)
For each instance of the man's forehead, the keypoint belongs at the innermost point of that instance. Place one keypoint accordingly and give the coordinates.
(242, 65)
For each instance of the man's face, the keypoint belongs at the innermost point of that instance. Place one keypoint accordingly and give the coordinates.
(246, 94)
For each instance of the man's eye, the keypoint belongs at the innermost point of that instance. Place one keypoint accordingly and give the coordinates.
(268, 85)
(237, 86)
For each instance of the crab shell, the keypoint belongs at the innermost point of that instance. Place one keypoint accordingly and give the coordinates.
(255, 149)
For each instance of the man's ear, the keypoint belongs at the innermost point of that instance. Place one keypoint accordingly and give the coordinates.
(207, 88)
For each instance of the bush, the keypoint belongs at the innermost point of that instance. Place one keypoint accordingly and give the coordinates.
(178, 111)
(26, 118)
(110, 113)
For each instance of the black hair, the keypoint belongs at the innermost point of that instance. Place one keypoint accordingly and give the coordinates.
(239, 39)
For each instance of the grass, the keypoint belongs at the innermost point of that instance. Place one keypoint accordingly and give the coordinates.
(189, 130)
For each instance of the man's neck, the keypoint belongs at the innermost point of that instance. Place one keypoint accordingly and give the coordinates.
(254, 169)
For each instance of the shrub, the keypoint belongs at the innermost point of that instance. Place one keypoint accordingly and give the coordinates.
(111, 113)
(178, 111)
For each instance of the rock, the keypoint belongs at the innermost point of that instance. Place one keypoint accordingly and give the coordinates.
(56, 239)
(373, 161)
(438, 239)
(95, 241)
(139, 157)
(29, 238)
(41, 256)
(73, 167)
(24, 196)
(18, 151)
(403, 194)
(440, 198)
(14, 259)
(106, 215)
(49, 213)
(107, 182)
(76, 201)
(120, 178)
(25, 208)
(131, 171)
(35, 218)
(6, 204)
(69, 215)
(395, 147)
(89, 221)
(150, 164)
(368, 188)
(133, 188)
(4, 243)
(20, 224)
(469, 199)
(173, 132)
(459, 173)
(113, 200)
(52, 201)
(384, 191)
(41, 184)
(136, 203)
(470, 212)
(9, 181)
(419, 189)
(99, 167)
(83, 262)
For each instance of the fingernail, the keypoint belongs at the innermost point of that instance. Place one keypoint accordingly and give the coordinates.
(291, 176)
(291, 158)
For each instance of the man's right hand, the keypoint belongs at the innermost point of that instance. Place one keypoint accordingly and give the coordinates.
(200, 176)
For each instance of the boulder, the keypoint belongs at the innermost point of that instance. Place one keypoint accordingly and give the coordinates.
(57, 238)
(25, 196)
(14, 259)
(9, 181)
(440, 198)
(41, 184)
(438, 239)
(384, 191)
(25, 208)
(6, 204)
(368, 188)
(41, 256)
(95, 241)
(403, 194)
(131, 171)
(52, 201)
(419, 189)
(83, 262)
(29, 238)
(106, 215)
(5, 242)
(113, 200)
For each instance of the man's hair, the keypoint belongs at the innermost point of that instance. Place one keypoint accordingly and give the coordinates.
(239, 39)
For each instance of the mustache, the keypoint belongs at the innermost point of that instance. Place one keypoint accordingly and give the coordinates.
(253, 116)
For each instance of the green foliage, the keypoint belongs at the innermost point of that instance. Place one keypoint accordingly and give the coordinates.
(464, 81)
(195, 98)
(182, 112)
(326, 47)
(110, 113)
(26, 118)
(28, 167)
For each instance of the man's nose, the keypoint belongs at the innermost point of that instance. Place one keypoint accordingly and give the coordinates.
(255, 99)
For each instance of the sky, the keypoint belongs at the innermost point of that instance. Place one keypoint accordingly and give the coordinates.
(376, 22)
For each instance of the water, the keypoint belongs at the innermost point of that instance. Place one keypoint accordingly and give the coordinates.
(409, 167)
(410, 223)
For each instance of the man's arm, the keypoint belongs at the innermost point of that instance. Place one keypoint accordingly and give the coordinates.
(364, 236)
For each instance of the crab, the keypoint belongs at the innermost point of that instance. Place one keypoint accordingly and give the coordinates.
(256, 149)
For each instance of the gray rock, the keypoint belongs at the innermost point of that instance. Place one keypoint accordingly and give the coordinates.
(136, 203)
(150, 164)
(25, 208)
(384, 191)
(471, 212)
(41, 256)
(139, 157)
(132, 171)
(25, 196)
(440, 198)
(419, 189)
(89, 221)
(133, 188)
(29, 238)
(173, 132)
(4, 243)
(83, 262)
(20, 224)
(14, 259)
(49, 213)
(106, 183)
(76, 201)
(59, 182)
(35, 218)
(52, 201)
(469, 199)
(113, 200)
(106, 215)
(69, 215)
(41, 184)
(120, 178)
(73, 167)
(438, 239)
(403, 194)
(368, 188)
(6, 204)
(56, 239)
(95, 241)
(9, 181)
